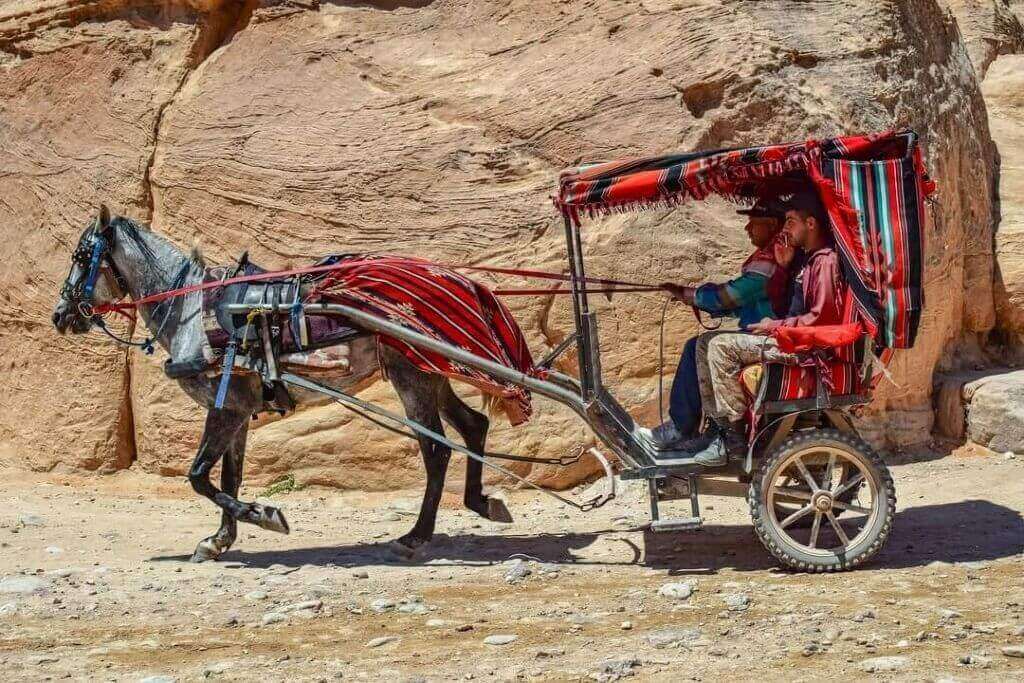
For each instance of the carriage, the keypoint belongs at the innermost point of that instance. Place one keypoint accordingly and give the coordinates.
(821, 499)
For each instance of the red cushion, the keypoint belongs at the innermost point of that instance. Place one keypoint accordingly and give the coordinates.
(802, 339)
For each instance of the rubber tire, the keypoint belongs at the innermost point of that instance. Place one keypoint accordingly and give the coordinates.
(784, 550)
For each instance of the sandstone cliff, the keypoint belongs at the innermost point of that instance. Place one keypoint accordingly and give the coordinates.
(296, 128)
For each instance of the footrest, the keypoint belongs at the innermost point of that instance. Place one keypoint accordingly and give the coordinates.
(677, 524)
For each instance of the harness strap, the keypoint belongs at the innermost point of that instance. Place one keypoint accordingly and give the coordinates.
(700, 320)
(226, 367)
(98, 248)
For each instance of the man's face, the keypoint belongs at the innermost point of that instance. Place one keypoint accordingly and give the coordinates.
(761, 231)
(797, 227)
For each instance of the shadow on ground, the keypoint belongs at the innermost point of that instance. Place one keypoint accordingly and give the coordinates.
(967, 531)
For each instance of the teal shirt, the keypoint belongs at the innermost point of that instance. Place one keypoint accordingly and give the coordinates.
(747, 297)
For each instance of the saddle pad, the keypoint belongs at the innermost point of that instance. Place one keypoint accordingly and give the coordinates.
(330, 358)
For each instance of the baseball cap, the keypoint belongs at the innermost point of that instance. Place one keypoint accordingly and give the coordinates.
(765, 208)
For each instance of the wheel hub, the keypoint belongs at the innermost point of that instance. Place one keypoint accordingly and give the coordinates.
(822, 502)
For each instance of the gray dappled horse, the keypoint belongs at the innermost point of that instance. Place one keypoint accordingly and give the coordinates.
(134, 261)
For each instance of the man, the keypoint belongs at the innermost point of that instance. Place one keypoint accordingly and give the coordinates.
(758, 293)
(816, 300)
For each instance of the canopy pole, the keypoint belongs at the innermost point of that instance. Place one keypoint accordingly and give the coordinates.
(579, 304)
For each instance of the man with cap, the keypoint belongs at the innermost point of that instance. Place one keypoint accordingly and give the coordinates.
(817, 299)
(758, 293)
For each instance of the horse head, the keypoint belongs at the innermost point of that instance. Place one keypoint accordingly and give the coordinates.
(92, 280)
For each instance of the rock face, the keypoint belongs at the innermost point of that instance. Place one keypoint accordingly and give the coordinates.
(302, 127)
(990, 28)
(82, 87)
(1004, 94)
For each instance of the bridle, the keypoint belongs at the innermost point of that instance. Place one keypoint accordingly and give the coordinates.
(93, 255)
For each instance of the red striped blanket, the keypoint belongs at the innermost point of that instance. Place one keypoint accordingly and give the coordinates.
(445, 306)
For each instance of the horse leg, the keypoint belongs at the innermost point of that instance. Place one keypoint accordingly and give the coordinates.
(473, 426)
(230, 480)
(222, 428)
(419, 393)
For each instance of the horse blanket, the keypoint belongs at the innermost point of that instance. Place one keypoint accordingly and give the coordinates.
(443, 305)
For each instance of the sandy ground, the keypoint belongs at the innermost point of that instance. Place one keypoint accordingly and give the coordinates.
(95, 584)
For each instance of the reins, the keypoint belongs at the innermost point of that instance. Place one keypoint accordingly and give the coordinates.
(612, 286)
(146, 344)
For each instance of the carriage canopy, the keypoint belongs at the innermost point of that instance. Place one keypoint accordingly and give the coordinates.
(873, 187)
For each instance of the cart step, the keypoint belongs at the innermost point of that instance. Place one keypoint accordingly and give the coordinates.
(678, 524)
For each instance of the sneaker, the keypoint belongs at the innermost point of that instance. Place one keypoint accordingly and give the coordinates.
(664, 437)
(716, 452)
(702, 440)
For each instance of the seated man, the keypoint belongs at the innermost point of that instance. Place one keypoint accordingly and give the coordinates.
(758, 293)
(816, 300)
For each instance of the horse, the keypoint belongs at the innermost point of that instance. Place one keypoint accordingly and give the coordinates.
(127, 258)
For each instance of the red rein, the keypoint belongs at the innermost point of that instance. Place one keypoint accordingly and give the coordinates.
(613, 286)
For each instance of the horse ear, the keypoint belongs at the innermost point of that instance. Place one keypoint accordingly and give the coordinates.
(104, 217)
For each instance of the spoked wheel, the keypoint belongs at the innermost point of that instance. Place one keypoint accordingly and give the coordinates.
(838, 474)
(793, 479)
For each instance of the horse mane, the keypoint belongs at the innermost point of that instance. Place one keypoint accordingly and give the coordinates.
(129, 228)
(134, 230)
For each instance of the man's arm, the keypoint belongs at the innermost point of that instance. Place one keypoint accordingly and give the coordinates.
(748, 288)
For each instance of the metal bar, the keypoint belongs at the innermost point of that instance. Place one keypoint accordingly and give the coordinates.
(342, 397)
(694, 505)
(652, 486)
(557, 351)
(376, 324)
(602, 416)
(578, 307)
(594, 352)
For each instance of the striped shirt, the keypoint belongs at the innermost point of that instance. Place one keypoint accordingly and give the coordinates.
(759, 292)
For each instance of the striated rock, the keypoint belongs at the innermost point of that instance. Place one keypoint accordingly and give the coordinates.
(83, 87)
(435, 129)
(989, 27)
(1004, 94)
(884, 664)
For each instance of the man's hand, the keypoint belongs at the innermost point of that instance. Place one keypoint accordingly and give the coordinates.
(762, 327)
(784, 250)
(679, 292)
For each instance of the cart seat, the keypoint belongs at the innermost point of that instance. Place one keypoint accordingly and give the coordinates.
(793, 382)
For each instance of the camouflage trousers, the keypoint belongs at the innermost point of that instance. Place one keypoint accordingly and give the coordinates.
(721, 356)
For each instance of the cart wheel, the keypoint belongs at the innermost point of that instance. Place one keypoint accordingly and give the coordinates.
(844, 463)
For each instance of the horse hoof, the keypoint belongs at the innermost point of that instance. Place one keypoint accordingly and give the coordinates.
(497, 511)
(272, 519)
(399, 548)
(205, 552)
